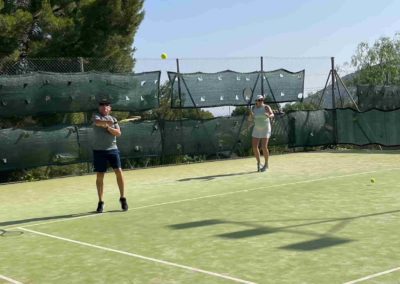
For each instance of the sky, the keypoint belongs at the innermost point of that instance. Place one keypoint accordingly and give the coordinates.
(215, 35)
(253, 28)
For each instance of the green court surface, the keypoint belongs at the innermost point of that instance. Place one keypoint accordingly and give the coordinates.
(312, 218)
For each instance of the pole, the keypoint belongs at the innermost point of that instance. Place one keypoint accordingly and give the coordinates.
(333, 82)
(334, 114)
(85, 118)
(180, 107)
(81, 64)
(348, 92)
(179, 82)
(262, 76)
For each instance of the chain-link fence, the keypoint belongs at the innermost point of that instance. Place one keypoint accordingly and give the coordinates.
(60, 65)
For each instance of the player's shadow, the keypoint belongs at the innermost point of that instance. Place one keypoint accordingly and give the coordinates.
(13, 233)
(254, 229)
(48, 218)
(206, 178)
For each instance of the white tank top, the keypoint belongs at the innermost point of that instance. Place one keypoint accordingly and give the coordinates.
(260, 119)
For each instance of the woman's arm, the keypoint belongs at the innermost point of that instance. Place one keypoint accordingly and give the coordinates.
(251, 115)
(269, 112)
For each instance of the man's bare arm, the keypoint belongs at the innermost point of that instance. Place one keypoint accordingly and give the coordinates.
(103, 123)
(114, 131)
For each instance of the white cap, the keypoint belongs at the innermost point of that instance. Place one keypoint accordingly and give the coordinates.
(259, 97)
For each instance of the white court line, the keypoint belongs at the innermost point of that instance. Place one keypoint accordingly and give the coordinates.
(142, 257)
(208, 196)
(373, 275)
(10, 227)
(9, 279)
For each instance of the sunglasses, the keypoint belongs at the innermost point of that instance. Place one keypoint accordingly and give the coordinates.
(260, 100)
(104, 104)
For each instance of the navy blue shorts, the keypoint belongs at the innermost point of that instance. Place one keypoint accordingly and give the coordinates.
(101, 159)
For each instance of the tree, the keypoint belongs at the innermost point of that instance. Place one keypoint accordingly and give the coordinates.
(240, 111)
(378, 64)
(70, 28)
(167, 113)
(298, 106)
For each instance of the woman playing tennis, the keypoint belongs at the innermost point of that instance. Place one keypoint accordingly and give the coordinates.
(261, 114)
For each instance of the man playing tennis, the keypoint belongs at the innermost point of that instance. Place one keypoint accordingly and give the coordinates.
(105, 151)
(261, 114)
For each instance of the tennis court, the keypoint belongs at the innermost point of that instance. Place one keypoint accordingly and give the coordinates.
(314, 217)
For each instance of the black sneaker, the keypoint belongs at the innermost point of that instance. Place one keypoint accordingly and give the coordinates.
(124, 204)
(100, 207)
(264, 168)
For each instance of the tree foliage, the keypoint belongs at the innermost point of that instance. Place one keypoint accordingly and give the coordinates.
(240, 111)
(70, 28)
(378, 64)
(167, 113)
(300, 106)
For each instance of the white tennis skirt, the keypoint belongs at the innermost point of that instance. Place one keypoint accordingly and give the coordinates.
(264, 132)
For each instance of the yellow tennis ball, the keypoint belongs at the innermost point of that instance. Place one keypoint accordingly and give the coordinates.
(372, 180)
(164, 56)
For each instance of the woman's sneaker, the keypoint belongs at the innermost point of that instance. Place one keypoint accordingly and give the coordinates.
(264, 168)
(124, 204)
(100, 207)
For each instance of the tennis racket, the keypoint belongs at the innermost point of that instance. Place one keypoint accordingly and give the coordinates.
(247, 95)
(133, 118)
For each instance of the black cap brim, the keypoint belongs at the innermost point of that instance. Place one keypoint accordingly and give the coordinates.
(104, 102)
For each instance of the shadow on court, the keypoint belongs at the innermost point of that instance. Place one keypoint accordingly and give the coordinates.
(323, 242)
(197, 224)
(255, 228)
(48, 218)
(206, 178)
(13, 233)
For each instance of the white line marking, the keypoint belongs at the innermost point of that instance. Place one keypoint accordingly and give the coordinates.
(10, 227)
(141, 257)
(208, 196)
(373, 275)
(9, 279)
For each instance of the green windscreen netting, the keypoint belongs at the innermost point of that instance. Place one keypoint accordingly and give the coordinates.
(280, 130)
(40, 93)
(283, 86)
(213, 136)
(45, 93)
(370, 127)
(224, 88)
(28, 148)
(139, 139)
(317, 128)
(58, 145)
(378, 97)
(310, 128)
